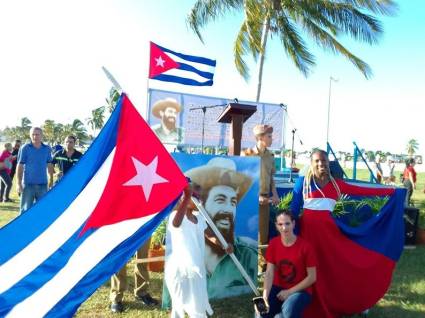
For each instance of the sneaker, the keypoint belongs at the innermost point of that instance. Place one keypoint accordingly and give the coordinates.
(147, 300)
(8, 200)
(117, 307)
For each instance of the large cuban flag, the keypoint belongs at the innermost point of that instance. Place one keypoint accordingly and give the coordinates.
(56, 254)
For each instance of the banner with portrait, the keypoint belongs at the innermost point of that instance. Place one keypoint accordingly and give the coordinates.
(223, 180)
(179, 119)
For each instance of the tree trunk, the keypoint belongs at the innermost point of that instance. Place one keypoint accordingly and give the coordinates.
(264, 36)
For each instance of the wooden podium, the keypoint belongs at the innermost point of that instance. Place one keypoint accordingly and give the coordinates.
(236, 114)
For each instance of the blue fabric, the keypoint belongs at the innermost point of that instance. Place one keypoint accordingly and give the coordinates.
(35, 162)
(47, 210)
(188, 70)
(181, 80)
(292, 307)
(31, 194)
(382, 232)
(41, 215)
(191, 58)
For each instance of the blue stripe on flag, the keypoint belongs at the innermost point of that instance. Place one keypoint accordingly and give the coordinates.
(191, 58)
(111, 264)
(41, 215)
(181, 80)
(187, 67)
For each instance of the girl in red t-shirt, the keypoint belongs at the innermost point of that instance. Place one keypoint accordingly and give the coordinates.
(291, 270)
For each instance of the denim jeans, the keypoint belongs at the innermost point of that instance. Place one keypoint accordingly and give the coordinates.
(5, 185)
(31, 194)
(292, 307)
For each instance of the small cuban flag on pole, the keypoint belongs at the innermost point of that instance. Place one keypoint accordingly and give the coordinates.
(170, 66)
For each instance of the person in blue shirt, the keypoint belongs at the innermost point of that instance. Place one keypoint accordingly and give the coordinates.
(33, 160)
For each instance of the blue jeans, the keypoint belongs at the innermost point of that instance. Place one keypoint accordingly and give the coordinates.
(292, 307)
(31, 194)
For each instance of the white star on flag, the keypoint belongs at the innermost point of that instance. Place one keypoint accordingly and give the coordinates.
(160, 61)
(146, 176)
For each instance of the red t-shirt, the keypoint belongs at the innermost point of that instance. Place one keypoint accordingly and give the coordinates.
(290, 262)
(408, 170)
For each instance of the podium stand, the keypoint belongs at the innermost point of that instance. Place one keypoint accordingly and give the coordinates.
(236, 114)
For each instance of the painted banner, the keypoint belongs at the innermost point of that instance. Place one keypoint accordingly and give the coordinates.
(229, 192)
(177, 119)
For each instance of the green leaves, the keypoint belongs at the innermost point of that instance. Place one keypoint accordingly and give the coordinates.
(322, 20)
(346, 205)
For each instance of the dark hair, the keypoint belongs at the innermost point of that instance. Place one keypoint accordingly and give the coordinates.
(410, 161)
(18, 140)
(285, 212)
(317, 150)
(71, 137)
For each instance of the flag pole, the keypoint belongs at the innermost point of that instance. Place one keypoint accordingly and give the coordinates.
(114, 82)
(225, 245)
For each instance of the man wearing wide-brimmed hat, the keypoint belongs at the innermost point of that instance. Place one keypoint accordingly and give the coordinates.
(167, 131)
(264, 138)
(221, 189)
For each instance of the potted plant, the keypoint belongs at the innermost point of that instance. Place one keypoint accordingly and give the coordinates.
(157, 248)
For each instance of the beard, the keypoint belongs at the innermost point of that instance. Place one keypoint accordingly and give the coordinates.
(228, 233)
(169, 122)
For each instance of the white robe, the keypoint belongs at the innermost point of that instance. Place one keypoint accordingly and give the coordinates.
(185, 273)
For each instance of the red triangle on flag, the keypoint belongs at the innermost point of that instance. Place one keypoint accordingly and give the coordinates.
(144, 178)
(160, 62)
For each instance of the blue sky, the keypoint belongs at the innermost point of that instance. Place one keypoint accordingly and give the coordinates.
(53, 51)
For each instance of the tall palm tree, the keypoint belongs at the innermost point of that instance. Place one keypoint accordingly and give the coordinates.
(24, 129)
(412, 147)
(97, 119)
(323, 20)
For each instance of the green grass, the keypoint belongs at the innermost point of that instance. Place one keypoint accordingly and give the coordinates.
(406, 297)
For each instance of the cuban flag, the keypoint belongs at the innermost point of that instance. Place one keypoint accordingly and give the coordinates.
(170, 66)
(56, 254)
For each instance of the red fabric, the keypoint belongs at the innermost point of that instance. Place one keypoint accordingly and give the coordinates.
(408, 170)
(290, 262)
(129, 202)
(160, 62)
(344, 268)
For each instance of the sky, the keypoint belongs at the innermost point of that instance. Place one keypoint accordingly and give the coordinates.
(52, 52)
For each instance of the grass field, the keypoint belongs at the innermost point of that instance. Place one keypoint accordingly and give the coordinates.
(406, 297)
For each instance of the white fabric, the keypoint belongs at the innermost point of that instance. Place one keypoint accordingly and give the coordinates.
(185, 273)
(322, 204)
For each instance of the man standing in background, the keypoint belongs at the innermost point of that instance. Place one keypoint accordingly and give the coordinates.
(66, 158)
(33, 160)
(264, 139)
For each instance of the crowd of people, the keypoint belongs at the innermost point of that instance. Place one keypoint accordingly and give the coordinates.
(306, 264)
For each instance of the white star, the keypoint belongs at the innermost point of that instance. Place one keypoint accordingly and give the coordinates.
(146, 176)
(160, 61)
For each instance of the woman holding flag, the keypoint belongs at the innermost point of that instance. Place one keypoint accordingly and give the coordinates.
(344, 263)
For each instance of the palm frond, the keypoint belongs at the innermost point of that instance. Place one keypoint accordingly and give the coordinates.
(327, 41)
(204, 11)
(294, 45)
(285, 201)
(240, 49)
(383, 7)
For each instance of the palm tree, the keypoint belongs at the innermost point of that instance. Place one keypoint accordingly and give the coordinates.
(24, 129)
(79, 131)
(112, 100)
(49, 133)
(412, 147)
(323, 20)
(97, 119)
